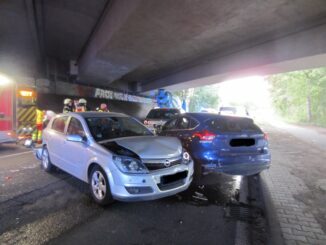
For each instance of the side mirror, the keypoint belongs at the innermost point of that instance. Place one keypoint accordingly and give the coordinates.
(75, 138)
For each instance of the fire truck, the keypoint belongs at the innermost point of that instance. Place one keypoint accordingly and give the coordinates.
(17, 112)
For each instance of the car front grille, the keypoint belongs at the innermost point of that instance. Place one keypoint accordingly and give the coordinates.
(161, 163)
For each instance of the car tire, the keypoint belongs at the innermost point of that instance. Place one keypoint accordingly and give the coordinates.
(100, 187)
(45, 160)
(254, 175)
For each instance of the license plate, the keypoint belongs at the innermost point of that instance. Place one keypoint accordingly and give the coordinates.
(167, 179)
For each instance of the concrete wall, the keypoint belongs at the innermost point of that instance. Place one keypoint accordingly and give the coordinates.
(54, 102)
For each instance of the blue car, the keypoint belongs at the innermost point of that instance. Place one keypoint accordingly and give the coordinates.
(225, 144)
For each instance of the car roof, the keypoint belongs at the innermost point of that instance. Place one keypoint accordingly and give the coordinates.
(164, 109)
(204, 116)
(95, 114)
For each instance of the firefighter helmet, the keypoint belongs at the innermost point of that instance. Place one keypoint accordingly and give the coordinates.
(82, 101)
(67, 101)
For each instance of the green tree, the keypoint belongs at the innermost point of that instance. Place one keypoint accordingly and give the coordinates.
(198, 98)
(203, 97)
(300, 96)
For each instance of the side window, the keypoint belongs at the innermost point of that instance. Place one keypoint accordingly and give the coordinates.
(75, 127)
(193, 123)
(183, 123)
(133, 126)
(186, 123)
(170, 124)
(59, 124)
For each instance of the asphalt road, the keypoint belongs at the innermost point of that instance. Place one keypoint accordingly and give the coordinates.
(37, 207)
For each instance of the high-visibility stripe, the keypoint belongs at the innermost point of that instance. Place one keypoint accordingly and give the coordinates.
(20, 130)
(30, 118)
(27, 112)
(26, 119)
(34, 136)
(20, 112)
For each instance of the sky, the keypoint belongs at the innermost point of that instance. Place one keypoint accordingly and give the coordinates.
(252, 90)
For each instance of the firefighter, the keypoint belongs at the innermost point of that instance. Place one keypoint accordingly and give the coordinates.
(67, 105)
(37, 134)
(103, 108)
(82, 105)
(75, 104)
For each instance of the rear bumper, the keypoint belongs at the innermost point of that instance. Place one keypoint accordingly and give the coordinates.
(8, 140)
(240, 165)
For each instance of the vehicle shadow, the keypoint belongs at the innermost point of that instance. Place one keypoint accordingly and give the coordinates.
(214, 188)
(74, 182)
(8, 147)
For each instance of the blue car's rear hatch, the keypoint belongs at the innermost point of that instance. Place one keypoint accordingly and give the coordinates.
(240, 144)
(234, 145)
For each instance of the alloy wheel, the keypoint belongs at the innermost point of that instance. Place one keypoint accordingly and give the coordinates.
(98, 185)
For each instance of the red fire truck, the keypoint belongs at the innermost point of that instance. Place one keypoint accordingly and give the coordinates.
(17, 112)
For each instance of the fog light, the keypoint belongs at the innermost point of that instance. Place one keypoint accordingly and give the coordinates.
(139, 190)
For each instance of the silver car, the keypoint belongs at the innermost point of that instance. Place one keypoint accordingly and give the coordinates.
(158, 117)
(118, 156)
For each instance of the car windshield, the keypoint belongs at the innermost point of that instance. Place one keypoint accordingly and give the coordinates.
(163, 113)
(106, 128)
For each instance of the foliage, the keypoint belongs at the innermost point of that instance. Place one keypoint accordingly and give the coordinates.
(300, 96)
(198, 98)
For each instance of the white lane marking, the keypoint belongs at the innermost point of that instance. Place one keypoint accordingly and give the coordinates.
(16, 154)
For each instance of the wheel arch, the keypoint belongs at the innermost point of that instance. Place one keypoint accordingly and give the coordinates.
(90, 167)
(93, 164)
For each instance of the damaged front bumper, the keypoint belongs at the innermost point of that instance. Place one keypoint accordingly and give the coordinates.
(151, 186)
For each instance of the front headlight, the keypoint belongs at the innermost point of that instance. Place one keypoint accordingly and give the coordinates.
(129, 165)
(186, 158)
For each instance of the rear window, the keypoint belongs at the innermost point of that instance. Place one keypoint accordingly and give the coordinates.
(232, 124)
(163, 114)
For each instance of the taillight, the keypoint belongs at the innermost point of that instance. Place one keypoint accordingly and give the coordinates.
(265, 136)
(205, 136)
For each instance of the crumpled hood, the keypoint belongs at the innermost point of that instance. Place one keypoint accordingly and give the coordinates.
(152, 147)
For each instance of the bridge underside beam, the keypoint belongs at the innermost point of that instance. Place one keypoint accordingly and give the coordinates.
(302, 50)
